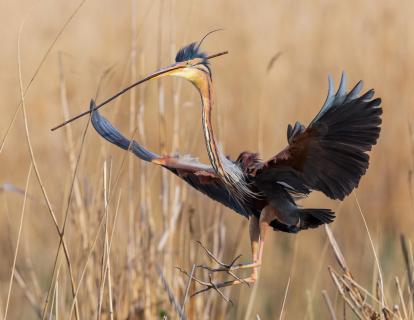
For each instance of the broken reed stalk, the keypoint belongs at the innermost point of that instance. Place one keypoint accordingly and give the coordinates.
(355, 296)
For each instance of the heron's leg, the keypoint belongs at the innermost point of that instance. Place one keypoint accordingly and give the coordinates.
(257, 229)
(254, 232)
(255, 240)
(266, 217)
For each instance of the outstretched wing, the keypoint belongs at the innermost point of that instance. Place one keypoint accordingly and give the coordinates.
(200, 176)
(330, 155)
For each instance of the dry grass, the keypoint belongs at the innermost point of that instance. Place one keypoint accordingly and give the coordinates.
(363, 303)
(96, 234)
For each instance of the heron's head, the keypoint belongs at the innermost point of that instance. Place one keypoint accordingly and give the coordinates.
(190, 63)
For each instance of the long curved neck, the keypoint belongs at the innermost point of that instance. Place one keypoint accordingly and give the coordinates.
(207, 99)
(230, 173)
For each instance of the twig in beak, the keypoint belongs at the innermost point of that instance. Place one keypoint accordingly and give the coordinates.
(154, 75)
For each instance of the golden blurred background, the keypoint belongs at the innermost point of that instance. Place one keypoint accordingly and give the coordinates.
(108, 44)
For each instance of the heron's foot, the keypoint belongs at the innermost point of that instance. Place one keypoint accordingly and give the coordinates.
(222, 267)
(216, 286)
(227, 267)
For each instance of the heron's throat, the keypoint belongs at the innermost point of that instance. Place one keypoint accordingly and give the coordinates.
(229, 172)
(207, 99)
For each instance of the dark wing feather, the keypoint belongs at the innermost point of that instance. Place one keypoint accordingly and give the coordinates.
(330, 155)
(194, 173)
(111, 134)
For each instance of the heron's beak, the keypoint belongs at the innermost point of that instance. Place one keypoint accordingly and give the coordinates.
(180, 69)
(184, 70)
(176, 69)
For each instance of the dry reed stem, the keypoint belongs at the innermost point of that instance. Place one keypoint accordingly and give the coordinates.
(252, 297)
(73, 161)
(101, 222)
(329, 305)
(35, 166)
(176, 209)
(105, 257)
(107, 268)
(63, 229)
(16, 251)
(39, 66)
(355, 296)
(29, 266)
(170, 294)
(284, 299)
(350, 302)
(365, 291)
(34, 302)
(56, 297)
(401, 297)
(408, 264)
(373, 250)
(132, 247)
(71, 151)
(338, 253)
(188, 288)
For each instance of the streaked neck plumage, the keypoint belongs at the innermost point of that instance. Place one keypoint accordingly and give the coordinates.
(229, 172)
(207, 99)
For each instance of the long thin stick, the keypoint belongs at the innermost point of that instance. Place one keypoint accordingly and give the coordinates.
(123, 91)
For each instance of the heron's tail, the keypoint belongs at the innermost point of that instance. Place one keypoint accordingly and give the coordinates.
(312, 218)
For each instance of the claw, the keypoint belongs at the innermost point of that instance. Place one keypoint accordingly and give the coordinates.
(223, 267)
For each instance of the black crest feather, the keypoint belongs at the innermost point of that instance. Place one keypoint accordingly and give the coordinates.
(189, 52)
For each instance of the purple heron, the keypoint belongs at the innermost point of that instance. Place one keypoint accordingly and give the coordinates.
(329, 155)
